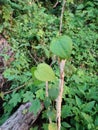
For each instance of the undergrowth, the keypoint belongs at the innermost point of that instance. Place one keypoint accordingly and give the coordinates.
(29, 28)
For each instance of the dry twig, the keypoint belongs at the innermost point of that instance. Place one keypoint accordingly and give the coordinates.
(61, 18)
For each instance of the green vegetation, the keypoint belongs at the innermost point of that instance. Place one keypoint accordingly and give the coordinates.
(30, 28)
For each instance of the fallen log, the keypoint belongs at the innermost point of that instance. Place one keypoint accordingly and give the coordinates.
(21, 120)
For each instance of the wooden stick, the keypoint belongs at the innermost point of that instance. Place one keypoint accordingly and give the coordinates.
(59, 99)
(61, 82)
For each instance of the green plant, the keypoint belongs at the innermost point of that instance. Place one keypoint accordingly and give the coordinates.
(29, 27)
(62, 47)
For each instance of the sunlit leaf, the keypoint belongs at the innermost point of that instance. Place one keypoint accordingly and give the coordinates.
(87, 117)
(44, 72)
(1, 95)
(40, 94)
(61, 46)
(52, 126)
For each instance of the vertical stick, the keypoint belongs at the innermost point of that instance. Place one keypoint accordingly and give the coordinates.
(61, 82)
(59, 99)
(47, 89)
(47, 95)
(61, 18)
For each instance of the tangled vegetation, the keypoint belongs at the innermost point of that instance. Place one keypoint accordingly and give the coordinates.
(29, 26)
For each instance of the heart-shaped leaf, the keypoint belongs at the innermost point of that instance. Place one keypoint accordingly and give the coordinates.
(62, 46)
(44, 72)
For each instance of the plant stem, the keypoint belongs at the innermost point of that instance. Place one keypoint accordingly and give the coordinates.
(10, 91)
(61, 18)
(17, 88)
(56, 4)
(47, 89)
(47, 95)
(59, 99)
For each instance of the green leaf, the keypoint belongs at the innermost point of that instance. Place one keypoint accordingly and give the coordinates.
(88, 106)
(51, 113)
(87, 117)
(47, 53)
(69, 69)
(28, 96)
(35, 107)
(52, 126)
(16, 98)
(7, 11)
(96, 121)
(78, 101)
(62, 46)
(1, 95)
(53, 93)
(44, 72)
(70, 1)
(45, 126)
(32, 71)
(66, 125)
(34, 128)
(80, 7)
(47, 102)
(40, 94)
(66, 111)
